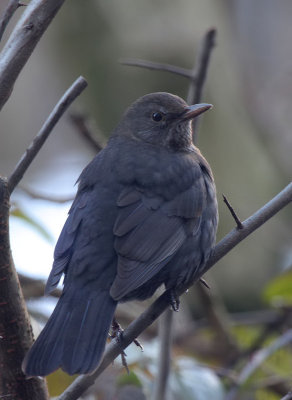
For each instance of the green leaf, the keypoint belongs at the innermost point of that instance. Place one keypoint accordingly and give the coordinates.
(129, 379)
(279, 290)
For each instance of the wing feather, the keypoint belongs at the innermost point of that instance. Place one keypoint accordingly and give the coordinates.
(147, 237)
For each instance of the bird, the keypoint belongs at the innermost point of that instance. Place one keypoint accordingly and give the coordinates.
(145, 215)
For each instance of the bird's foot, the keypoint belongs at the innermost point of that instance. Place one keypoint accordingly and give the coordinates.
(174, 300)
(117, 333)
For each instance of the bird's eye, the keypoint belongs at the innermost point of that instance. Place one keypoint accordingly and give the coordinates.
(157, 116)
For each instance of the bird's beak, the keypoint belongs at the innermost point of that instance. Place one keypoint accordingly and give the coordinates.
(195, 110)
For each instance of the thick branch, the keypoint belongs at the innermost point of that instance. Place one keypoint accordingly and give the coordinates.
(158, 306)
(77, 87)
(8, 13)
(28, 31)
(15, 331)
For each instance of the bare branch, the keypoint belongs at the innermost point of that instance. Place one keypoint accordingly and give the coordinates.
(164, 361)
(75, 89)
(158, 306)
(15, 332)
(34, 288)
(80, 123)
(157, 66)
(233, 213)
(199, 74)
(201, 67)
(288, 396)
(261, 216)
(40, 196)
(257, 360)
(12, 6)
(28, 31)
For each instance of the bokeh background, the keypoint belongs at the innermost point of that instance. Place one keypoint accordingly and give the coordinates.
(246, 137)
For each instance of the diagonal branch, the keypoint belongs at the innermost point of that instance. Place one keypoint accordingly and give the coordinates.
(74, 91)
(234, 237)
(81, 124)
(257, 360)
(12, 6)
(28, 31)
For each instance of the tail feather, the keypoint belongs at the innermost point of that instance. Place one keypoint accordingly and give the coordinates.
(74, 337)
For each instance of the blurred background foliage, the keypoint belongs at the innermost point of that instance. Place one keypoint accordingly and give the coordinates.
(246, 139)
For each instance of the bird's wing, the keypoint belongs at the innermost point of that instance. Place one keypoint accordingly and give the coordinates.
(149, 231)
(65, 243)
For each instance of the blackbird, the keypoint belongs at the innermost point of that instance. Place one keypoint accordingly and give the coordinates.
(145, 214)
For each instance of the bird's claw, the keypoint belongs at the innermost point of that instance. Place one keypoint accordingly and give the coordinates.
(117, 333)
(174, 300)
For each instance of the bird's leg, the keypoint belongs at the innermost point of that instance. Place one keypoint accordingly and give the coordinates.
(174, 300)
(117, 333)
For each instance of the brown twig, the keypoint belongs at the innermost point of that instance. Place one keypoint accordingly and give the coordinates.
(234, 237)
(233, 213)
(80, 123)
(74, 91)
(12, 6)
(133, 62)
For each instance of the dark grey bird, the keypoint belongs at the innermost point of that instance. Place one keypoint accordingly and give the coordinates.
(145, 214)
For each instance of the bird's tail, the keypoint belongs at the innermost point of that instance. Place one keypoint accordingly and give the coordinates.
(75, 335)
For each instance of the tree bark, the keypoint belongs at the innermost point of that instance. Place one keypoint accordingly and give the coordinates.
(15, 331)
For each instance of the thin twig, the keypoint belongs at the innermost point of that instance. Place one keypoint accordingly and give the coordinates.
(40, 196)
(133, 62)
(270, 327)
(164, 358)
(80, 123)
(200, 70)
(233, 213)
(234, 237)
(74, 91)
(12, 6)
(257, 360)
(288, 396)
(33, 23)
(199, 74)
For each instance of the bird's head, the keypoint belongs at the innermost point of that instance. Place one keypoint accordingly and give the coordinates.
(161, 119)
